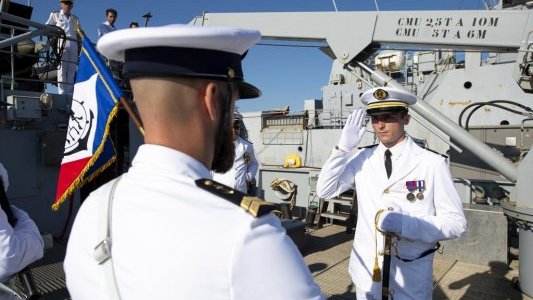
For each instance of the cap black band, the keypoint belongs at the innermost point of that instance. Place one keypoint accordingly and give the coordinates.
(182, 62)
(385, 110)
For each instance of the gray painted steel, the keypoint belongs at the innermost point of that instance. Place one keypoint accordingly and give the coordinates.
(526, 261)
(487, 30)
(474, 246)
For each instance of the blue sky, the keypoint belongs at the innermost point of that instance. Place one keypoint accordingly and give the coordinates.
(286, 75)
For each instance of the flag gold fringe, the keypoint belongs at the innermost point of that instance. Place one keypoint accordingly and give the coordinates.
(79, 181)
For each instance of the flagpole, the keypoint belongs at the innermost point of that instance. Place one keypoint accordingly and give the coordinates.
(133, 116)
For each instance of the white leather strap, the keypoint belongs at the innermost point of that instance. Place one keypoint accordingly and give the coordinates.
(102, 251)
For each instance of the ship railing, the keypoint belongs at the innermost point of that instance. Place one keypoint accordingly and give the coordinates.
(308, 119)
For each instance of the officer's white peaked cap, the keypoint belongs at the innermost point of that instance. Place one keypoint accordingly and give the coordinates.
(383, 100)
(182, 51)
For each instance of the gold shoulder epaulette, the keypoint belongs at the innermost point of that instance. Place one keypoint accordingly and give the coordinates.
(253, 205)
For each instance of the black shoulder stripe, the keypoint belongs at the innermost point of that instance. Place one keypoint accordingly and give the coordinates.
(435, 152)
(253, 205)
(371, 146)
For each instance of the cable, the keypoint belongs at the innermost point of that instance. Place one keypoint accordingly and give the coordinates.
(480, 104)
(495, 105)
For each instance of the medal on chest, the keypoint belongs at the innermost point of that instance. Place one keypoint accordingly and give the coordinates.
(415, 185)
(421, 188)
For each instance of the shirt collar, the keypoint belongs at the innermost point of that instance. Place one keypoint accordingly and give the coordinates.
(396, 150)
(169, 160)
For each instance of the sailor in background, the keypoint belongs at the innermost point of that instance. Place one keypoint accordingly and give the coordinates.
(174, 233)
(109, 24)
(20, 245)
(241, 176)
(68, 22)
(412, 186)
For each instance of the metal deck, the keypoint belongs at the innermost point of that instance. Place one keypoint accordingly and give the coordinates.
(328, 254)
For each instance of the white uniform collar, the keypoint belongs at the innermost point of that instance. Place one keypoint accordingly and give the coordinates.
(108, 24)
(396, 150)
(63, 13)
(170, 160)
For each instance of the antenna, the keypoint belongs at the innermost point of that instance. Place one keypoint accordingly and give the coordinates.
(334, 5)
(147, 18)
(376, 3)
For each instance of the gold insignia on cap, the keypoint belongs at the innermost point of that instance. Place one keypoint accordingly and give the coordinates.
(381, 94)
(231, 73)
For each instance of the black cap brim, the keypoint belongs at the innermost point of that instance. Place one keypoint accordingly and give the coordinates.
(248, 91)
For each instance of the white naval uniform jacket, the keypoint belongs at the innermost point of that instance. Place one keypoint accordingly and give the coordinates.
(239, 174)
(68, 24)
(173, 240)
(439, 216)
(20, 245)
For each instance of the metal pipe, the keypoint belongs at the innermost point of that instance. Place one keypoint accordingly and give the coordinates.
(12, 58)
(463, 137)
(26, 22)
(438, 134)
(21, 37)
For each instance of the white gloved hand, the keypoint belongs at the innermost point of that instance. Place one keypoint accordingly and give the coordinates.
(5, 178)
(353, 130)
(391, 221)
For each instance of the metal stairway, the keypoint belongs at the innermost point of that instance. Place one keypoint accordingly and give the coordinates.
(344, 209)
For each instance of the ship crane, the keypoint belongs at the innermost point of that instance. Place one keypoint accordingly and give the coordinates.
(351, 35)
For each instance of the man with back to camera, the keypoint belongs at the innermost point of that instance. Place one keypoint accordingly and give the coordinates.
(67, 21)
(20, 245)
(410, 187)
(109, 24)
(241, 176)
(176, 233)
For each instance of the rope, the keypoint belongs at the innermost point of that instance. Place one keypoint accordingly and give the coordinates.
(287, 187)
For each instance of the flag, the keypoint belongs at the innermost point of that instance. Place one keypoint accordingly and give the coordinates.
(88, 147)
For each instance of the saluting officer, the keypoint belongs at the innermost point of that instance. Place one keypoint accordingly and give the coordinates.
(413, 187)
(241, 176)
(169, 231)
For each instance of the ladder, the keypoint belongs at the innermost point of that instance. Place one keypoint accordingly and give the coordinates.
(344, 209)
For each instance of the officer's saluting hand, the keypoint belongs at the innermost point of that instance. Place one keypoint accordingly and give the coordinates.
(353, 130)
